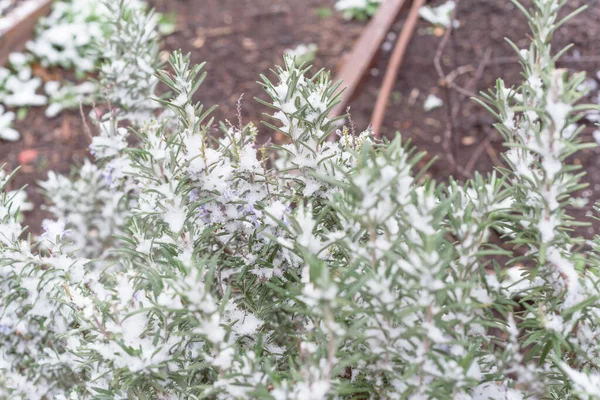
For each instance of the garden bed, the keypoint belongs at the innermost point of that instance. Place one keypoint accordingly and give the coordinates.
(185, 265)
(227, 36)
(242, 38)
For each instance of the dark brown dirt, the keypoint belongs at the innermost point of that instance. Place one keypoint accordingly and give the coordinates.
(242, 38)
(56, 144)
(475, 143)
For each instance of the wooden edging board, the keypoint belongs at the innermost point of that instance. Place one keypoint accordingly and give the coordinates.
(18, 26)
(365, 49)
(391, 75)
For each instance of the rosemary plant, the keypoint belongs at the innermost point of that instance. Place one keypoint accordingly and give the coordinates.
(194, 265)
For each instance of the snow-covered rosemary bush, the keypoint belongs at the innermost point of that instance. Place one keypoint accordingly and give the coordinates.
(131, 51)
(201, 266)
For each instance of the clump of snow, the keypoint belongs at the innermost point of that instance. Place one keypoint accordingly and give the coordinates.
(359, 9)
(4, 4)
(67, 96)
(441, 15)
(6, 130)
(588, 385)
(596, 135)
(432, 102)
(345, 5)
(65, 37)
(303, 53)
(496, 391)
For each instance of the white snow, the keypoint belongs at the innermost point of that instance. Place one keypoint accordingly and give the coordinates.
(432, 102)
(441, 15)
